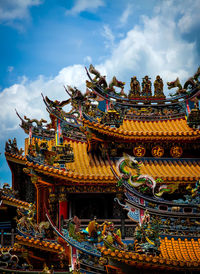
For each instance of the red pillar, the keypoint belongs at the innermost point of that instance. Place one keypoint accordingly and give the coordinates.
(63, 211)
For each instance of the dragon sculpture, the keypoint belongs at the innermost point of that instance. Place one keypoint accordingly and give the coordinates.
(11, 147)
(143, 182)
(98, 79)
(193, 82)
(77, 99)
(26, 222)
(101, 81)
(115, 83)
(39, 123)
(37, 127)
(57, 104)
(177, 84)
(95, 72)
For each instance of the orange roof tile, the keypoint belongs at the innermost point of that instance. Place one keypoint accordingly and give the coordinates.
(92, 169)
(182, 250)
(19, 158)
(36, 243)
(175, 254)
(14, 248)
(131, 129)
(14, 202)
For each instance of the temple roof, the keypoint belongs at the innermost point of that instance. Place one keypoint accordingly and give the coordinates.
(88, 168)
(182, 250)
(176, 129)
(40, 244)
(175, 254)
(14, 202)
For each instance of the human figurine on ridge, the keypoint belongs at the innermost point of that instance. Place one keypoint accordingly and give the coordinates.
(135, 87)
(158, 87)
(146, 86)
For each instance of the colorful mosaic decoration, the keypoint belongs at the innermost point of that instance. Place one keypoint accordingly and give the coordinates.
(80, 203)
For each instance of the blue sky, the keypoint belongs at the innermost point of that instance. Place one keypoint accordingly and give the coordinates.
(45, 44)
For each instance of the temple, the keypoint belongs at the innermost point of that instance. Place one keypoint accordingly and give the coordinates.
(111, 186)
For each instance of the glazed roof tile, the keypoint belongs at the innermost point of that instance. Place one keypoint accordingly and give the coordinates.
(182, 250)
(13, 201)
(40, 244)
(95, 169)
(92, 169)
(132, 129)
(175, 254)
(14, 248)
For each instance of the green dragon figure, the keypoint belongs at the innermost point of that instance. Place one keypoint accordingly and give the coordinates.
(143, 182)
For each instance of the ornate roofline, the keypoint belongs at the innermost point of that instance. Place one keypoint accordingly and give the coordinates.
(100, 178)
(135, 135)
(129, 102)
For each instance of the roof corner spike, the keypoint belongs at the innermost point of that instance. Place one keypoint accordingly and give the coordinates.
(43, 96)
(88, 74)
(67, 90)
(18, 114)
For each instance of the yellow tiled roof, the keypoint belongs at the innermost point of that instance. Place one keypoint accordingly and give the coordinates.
(132, 129)
(182, 250)
(14, 202)
(93, 169)
(175, 254)
(40, 244)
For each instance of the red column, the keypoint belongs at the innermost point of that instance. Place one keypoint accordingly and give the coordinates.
(63, 211)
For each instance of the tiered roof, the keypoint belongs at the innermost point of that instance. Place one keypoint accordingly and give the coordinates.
(182, 250)
(44, 245)
(175, 255)
(88, 168)
(124, 120)
(174, 129)
(7, 200)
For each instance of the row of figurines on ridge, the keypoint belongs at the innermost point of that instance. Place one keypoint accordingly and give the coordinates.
(146, 87)
(135, 88)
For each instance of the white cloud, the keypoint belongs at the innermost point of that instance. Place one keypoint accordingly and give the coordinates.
(190, 16)
(26, 96)
(109, 36)
(85, 5)
(125, 15)
(186, 12)
(16, 9)
(154, 48)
